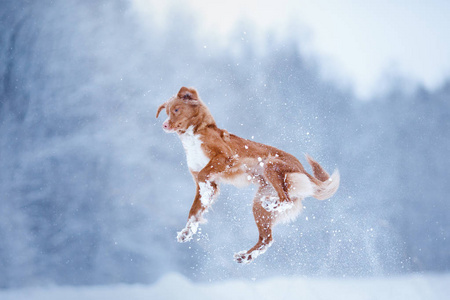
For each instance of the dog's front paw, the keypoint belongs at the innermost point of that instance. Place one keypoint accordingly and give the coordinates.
(186, 234)
(273, 204)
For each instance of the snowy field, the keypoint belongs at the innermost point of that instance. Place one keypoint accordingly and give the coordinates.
(175, 286)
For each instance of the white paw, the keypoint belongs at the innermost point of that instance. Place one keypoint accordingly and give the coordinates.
(186, 234)
(273, 204)
(243, 257)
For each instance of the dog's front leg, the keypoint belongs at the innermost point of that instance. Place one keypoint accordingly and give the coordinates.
(206, 191)
(202, 201)
(195, 217)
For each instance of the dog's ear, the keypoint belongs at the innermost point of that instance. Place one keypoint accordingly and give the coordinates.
(189, 95)
(160, 108)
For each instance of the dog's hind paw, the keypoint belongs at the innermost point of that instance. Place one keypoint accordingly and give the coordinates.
(273, 204)
(243, 257)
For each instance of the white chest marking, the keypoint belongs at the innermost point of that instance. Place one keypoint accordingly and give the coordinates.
(196, 158)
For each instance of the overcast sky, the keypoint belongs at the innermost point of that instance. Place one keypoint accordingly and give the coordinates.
(362, 44)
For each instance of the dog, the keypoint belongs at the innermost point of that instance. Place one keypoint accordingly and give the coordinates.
(215, 156)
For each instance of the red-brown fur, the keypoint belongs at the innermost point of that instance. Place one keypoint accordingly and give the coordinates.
(224, 157)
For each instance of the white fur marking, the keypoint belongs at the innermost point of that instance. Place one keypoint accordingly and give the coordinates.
(290, 214)
(166, 122)
(238, 180)
(206, 193)
(301, 186)
(195, 156)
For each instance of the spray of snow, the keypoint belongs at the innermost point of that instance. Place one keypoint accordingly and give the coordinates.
(273, 204)
(287, 211)
(289, 215)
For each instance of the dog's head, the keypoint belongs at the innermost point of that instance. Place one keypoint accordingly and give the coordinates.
(184, 110)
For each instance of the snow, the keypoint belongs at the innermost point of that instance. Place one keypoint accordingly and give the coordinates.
(175, 286)
(93, 191)
(185, 235)
(246, 258)
(206, 192)
(273, 204)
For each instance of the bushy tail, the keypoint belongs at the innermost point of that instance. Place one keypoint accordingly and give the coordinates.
(326, 185)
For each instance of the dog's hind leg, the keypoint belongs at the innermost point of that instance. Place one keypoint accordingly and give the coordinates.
(265, 221)
(276, 173)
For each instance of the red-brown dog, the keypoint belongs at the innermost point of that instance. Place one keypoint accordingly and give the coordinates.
(214, 156)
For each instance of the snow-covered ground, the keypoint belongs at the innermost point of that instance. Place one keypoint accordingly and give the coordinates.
(175, 286)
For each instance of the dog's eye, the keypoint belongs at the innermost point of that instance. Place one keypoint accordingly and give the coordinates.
(176, 110)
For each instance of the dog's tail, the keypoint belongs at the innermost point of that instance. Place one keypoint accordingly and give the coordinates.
(325, 185)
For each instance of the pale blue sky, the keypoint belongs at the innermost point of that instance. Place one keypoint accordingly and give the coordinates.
(361, 44)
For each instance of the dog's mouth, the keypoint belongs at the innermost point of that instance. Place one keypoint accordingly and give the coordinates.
(167, 128)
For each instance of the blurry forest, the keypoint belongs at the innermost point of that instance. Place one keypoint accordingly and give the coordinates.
(92, 191)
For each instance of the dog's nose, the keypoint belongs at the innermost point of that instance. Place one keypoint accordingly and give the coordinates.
(165, 125)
